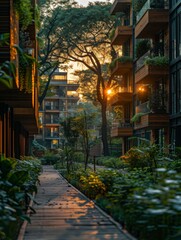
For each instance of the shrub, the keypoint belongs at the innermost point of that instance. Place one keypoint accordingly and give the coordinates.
(50, 158)
(160, 61)
(17, 183)
(142, 47)
(92, 186)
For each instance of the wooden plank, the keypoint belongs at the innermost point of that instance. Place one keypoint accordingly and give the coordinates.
(65, 213)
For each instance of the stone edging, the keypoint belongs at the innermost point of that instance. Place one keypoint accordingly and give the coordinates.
(23, 226)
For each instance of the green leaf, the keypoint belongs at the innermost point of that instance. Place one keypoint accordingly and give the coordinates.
(18, 177)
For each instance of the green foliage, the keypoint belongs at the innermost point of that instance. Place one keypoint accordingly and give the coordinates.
(50, 158)
(24, 10)
(160, 61)
(157, 207)
(37, 17)
(7, 74)
(112, 33)
(17, 182)
(178, 152)
(138, 4)
(123, 59)
(175, 165)
(141, 157)
(4, 39)
(137, 117)
(26, 62)
(142, 46)
(146, 203)
(92, 186)
(111, 162)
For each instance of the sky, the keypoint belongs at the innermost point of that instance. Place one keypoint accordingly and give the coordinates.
(85, 2)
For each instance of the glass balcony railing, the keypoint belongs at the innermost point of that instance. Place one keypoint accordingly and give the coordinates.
(151, 4)
(124, 90)
(52, 107)
(143, 108)
(52, 135)
(122, 123)
(141, 61)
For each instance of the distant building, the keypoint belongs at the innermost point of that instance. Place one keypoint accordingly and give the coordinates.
(60, 101)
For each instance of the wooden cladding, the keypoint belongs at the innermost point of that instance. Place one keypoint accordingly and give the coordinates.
(122, 35)
(120, 6)
(122, 132)
(121, 68)
(148, 74)
(153, 121)
(151, 23)
(121, 98)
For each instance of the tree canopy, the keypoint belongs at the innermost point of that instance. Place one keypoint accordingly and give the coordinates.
(81, 34)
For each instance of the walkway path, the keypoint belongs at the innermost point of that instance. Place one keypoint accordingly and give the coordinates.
(63, 213)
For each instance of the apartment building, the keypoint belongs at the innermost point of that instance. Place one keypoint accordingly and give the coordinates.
(151, 34)
(58, 104)
(18, 80)
(122, 72)
(175, 72)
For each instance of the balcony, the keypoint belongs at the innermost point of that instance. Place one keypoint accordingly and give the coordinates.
(150, 69)
(53, 108)
(121, 129)
(121, 66)
(52, 135)
(152, 121)
(153, 17)
(121, 96)
(122, 35)
(25, 107)
(120, 6)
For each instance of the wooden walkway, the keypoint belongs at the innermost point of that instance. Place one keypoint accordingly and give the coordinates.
(63, 213)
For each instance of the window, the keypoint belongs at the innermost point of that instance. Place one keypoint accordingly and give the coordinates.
(176, 91)
(176, 34)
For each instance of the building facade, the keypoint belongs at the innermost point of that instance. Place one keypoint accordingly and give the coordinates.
(150, 34)
(18, 80)
(175, 72)
(57, 105)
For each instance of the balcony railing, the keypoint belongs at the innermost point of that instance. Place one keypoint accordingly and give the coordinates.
(141, 60)
(152, 4)
(51, 107)
(143, 108)
(122, 123)
(124, 90)
(52, 121)
(52, 135)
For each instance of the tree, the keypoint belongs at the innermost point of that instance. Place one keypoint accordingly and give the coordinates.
(50, 51)
(80, 128)
(84, 35)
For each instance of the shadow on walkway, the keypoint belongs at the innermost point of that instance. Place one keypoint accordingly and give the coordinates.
(63, 213)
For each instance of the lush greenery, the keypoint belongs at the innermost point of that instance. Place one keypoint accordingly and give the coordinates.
(143, 194)
(18, 179)
(24, 10)
(122, 59)
(142, 46)
(137, 117)
(161, 61)
(82, 37)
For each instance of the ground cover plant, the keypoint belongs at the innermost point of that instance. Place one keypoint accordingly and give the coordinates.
(18, 179)
(145, 196)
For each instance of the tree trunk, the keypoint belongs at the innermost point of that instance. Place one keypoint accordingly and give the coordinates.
(104, 129)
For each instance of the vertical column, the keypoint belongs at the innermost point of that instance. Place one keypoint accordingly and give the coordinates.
(1, 134)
